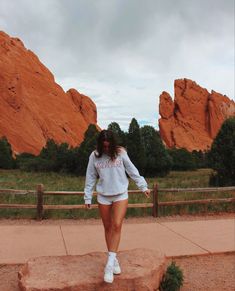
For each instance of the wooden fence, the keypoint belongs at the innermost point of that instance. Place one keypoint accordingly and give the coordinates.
(154, 204)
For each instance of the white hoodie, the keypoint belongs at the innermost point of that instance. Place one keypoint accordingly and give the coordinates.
(112, 175)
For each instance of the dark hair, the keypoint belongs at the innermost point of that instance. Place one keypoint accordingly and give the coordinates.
(107, 135)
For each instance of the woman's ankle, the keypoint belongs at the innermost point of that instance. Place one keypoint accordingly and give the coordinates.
(111, 257)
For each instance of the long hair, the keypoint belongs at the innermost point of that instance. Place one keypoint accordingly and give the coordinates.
(107, 135)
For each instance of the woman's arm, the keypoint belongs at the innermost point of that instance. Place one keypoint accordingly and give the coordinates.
(91, 177)
(133, 172)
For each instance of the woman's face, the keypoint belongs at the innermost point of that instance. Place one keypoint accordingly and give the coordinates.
(106, 147)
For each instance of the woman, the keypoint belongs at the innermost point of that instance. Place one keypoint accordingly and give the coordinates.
(110, 162)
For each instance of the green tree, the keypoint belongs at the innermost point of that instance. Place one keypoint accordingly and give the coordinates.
(119, 134)
(23, 161)
(200, 159)
(85, 149)
(48, 157)
(6, 159)
(49, 151)
(158, 161)
(64, 158)
(182, 159)
(53, 157)
(222, 155)
(61, 157)
(135, 147)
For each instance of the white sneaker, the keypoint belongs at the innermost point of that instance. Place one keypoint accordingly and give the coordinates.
(108, 274)
(116, 267)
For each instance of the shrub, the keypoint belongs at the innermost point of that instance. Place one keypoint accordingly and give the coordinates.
(172, 279)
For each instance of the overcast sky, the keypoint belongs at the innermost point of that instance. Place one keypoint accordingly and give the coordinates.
(124, 53)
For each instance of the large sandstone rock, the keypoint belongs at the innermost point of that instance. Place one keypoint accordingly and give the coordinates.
(33, 107)
(195, 116)
(142, 269)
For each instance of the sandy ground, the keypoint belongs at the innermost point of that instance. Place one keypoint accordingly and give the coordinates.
(214, 272)
(206, 272)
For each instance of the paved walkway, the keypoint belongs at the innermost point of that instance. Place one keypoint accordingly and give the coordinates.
(18, 243)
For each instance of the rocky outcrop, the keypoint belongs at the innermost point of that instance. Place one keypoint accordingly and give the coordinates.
(193, 119)
(33, 107)
(142, 269)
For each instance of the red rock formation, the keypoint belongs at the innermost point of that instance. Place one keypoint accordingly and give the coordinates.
(195, 116)
(142, 269)
(33, 107)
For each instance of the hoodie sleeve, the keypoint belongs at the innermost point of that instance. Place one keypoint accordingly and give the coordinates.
(91, 177)
(133, 172)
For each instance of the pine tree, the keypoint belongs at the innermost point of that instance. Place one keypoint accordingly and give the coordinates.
(183, 160)
(222, 155)
(158, 161)
(85, 149)
(135, 146)
(119, 134)
(6, 159)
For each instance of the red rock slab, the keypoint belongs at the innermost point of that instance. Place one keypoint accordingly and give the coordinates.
(142, 269)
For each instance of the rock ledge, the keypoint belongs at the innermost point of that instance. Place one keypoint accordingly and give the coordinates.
(142, 269)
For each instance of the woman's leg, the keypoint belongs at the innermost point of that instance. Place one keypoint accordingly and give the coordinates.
(119, 211)
(105, 213)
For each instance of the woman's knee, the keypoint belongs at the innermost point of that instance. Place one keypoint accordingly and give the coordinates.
(107, 226)
(116, 226)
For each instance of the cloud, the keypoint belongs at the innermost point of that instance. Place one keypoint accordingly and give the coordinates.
(124, 53)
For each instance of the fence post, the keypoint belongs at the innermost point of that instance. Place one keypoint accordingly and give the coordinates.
(155, 200)
(39, 191)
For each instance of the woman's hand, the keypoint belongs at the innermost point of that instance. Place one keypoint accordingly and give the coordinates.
(147, 193)
(88, 206)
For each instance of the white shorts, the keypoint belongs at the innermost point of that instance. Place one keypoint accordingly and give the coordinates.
(107, 200)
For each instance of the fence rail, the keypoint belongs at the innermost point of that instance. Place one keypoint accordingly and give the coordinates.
(155, 204)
